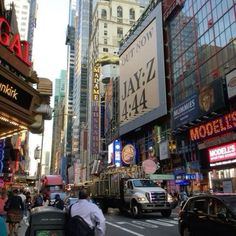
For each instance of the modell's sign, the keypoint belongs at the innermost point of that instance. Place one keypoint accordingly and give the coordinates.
(13, 42)
(222, 153)
(214, 127)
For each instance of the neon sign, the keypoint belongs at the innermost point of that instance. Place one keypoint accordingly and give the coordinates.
(96, 76)
(222, 153)
(215, 127)
(13, 42)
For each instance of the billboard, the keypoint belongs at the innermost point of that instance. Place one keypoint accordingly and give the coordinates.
(209, 98)
(142, 75)
(222, 154)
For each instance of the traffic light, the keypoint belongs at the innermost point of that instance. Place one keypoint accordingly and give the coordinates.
(172, 146)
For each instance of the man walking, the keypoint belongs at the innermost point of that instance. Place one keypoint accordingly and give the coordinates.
(90, 212)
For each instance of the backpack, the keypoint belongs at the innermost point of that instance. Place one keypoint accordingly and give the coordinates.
(38, 201)
(77, 226)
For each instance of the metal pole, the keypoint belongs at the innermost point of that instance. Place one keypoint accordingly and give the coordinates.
(41, 154)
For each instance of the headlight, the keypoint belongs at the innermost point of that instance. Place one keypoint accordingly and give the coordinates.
(141, 199)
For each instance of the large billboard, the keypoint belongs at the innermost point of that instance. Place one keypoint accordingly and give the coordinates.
(142, 74)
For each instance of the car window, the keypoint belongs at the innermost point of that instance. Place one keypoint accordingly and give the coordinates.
(216, 207)
(231, 203)
(197, 205)
(201, 206)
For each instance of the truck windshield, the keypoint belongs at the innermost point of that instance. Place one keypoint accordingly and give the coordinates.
(144, 183)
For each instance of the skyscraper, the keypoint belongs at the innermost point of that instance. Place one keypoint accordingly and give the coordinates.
(22, 8)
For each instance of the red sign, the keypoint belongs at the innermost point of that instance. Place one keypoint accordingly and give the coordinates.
(149, 166)
(13, 42)
(222, 153)
(214, 127)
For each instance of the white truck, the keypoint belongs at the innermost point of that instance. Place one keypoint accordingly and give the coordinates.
(128, 189)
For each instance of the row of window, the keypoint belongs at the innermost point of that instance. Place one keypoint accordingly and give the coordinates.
(201, 45)
(119, 13)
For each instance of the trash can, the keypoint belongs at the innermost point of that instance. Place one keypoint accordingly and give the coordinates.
(47, 221)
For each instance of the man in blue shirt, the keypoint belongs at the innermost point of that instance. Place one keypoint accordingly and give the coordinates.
(90, 212)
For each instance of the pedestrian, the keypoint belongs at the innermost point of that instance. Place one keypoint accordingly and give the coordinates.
(14, 208)
(38, 200)
(59, 203)
(90, 212)
(183, 195)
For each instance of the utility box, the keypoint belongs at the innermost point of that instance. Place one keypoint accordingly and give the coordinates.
(47, 221)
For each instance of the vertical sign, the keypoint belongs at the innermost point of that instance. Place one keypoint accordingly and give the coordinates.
(117, 148)
(95, 110)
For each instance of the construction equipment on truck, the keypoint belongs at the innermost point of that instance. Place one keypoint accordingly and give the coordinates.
(128, 189)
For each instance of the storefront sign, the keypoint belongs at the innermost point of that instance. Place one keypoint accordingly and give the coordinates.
(14, 93)
(215, 127)
(222, 153)
(13, 42)
(128, 154)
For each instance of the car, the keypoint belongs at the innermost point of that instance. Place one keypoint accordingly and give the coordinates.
(53, 195)
(211, 215)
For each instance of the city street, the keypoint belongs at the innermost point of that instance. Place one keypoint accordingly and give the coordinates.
(150, 224)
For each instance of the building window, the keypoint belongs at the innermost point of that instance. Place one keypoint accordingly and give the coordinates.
(105, 41)
(104, 14)
(105, 49)
(105, 32)
(131, 14)
(120, 32)
(105, 25)
(119, 12)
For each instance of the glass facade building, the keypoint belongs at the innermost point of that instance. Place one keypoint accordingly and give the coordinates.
(203, 45)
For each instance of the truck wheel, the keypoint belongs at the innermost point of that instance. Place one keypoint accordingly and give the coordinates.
(136, 210)
(166, 213)
(103, 207)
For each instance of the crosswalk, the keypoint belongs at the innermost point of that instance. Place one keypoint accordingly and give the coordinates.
(147, 223)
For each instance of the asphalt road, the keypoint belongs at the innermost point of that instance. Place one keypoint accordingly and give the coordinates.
(148, 225)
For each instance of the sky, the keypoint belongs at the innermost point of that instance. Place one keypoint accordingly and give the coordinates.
(49, 56)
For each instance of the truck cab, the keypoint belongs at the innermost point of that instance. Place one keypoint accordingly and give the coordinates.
(143, 195)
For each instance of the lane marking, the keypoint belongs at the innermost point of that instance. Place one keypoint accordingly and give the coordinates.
(145, 224)
(122, 223)
(159, 223)
(124, 229)
(169, 221)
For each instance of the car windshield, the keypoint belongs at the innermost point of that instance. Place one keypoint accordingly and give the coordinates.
(144, 183)
(230, 201)
(62, 195)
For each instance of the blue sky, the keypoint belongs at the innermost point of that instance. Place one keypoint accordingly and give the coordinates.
(49, 55)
